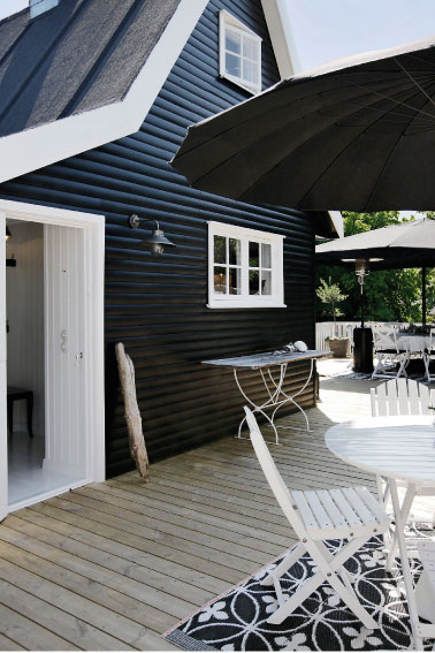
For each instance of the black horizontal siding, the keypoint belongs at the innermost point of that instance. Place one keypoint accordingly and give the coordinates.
(157, 307)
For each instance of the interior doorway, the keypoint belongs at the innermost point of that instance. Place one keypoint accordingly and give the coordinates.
(51, 354)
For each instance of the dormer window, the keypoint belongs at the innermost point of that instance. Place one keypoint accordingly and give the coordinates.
(240, 53)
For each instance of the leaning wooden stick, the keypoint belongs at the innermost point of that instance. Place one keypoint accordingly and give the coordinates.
(132, 414)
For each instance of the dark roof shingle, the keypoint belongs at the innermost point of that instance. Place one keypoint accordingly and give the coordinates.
(82, 55)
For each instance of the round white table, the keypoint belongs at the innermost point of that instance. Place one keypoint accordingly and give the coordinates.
(397, 448)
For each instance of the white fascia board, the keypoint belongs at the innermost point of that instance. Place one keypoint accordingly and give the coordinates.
(40, 146)
(278, 19)
(337, 222)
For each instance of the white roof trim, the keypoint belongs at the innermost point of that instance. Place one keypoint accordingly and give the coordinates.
(337, 222)
(278, 19)
(40, 146)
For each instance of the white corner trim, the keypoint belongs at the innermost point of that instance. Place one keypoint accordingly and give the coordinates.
(278, 19)
(40, 146)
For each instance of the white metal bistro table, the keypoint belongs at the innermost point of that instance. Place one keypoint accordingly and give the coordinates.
(272, 368)
(397, 448)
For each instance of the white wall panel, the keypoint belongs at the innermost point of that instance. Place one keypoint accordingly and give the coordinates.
(65, 321)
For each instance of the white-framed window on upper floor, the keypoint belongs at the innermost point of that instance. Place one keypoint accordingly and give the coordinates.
(239, 53)
(245, 267)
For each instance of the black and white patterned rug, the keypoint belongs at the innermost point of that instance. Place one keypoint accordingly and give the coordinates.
(238, 620)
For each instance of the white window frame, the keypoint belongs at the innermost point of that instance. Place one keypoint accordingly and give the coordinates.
(227, 20)
(245, 300)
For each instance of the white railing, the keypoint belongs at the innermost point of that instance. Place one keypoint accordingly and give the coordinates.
(326, 330)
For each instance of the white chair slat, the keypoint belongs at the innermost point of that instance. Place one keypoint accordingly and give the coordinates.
(307, 514)
(428, 399)
(402, 396)
(415, 395)
(390, 389)
(363, 511)
(382, 400)
(335, 514)
(340, 499)
(374, 506)
(322, 517)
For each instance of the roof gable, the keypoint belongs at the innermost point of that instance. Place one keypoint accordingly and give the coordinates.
(86, 73)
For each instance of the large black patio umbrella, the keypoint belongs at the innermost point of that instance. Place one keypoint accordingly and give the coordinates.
(406, 245)
(357, 135)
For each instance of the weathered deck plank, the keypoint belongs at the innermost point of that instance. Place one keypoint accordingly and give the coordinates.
(116, 564)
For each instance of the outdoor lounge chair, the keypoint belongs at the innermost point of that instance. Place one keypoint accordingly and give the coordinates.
(315, 516)
(387, 353)
(402, 397)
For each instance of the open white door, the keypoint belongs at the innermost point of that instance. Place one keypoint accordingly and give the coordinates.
(65, 320)
(3, 381)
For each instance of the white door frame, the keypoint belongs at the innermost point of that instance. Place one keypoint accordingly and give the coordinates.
(94, 229)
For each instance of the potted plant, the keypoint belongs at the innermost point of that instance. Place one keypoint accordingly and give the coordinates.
(331, 295)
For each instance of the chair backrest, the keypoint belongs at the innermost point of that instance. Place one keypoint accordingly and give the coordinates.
(384, 337)
(273, 477)
(400, 397)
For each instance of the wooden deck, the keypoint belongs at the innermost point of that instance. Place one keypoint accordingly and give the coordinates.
(114, 565)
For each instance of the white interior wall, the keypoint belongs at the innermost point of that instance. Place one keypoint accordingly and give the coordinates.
(25, 315)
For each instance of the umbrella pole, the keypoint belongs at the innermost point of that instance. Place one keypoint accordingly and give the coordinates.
(423, 296)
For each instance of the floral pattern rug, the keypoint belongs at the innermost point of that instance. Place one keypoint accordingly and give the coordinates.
(238, 620)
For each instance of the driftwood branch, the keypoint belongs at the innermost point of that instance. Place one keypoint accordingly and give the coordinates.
(132, 414)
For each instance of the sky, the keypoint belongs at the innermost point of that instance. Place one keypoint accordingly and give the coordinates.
(8, 7)
(324, 30)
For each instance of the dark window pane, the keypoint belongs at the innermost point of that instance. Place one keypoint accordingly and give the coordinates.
(254, 260)
(234, 250)
(220, 254)
(266, 282)
(220, 281)
(254, 282)
(235, 281)
(266, 255)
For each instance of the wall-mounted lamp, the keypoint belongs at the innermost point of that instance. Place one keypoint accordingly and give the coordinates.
(8, 233)
(157, 239)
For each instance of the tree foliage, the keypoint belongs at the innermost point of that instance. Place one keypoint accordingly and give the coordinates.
(331, 295)
(390, 295)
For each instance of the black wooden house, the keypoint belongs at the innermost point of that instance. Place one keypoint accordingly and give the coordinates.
(95, 98)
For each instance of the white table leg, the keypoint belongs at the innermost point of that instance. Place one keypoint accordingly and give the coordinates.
(270, 402)
(406, 569)
(291, 398)
(276, 397)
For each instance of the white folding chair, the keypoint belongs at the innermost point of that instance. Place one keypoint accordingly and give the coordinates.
(429, 355)
(352, 514)
(402, 397)
(387, 353)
